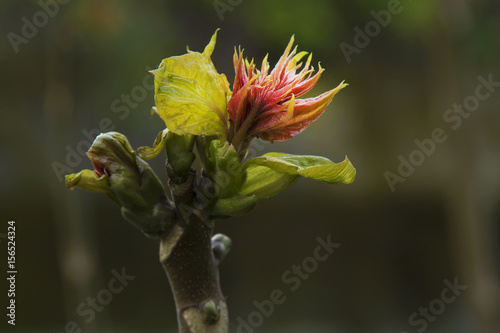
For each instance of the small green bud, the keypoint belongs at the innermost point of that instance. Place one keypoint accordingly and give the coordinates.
(221, 245)
(211, 313)
(181, 163)
(224, 168)
(179, 154)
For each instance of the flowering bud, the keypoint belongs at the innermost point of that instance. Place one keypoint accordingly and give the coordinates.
(264, 102)
(128, 180)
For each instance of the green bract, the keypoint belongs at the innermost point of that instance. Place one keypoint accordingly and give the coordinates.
(190, 96)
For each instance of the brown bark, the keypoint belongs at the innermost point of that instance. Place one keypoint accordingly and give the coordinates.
(187, 257)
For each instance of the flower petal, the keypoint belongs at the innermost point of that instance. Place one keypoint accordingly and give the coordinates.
(279, 128)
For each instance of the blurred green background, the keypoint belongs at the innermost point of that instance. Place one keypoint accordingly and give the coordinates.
(397, 247)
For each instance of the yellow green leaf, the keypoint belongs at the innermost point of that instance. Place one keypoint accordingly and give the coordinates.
(88, 180)
(190, 95)
(147, 153)
(271, 173)
(264, 182)
(315, 167)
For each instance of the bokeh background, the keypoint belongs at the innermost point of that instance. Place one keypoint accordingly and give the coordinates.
(397, 247)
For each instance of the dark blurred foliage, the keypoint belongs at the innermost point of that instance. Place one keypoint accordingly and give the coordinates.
(396, 247)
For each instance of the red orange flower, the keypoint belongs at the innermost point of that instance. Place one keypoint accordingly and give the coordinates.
(264, 104)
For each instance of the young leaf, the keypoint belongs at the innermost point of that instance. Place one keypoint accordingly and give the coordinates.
(271, 173)
(263, 182)
(88, 180)
(190, 96)
(147, 153)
